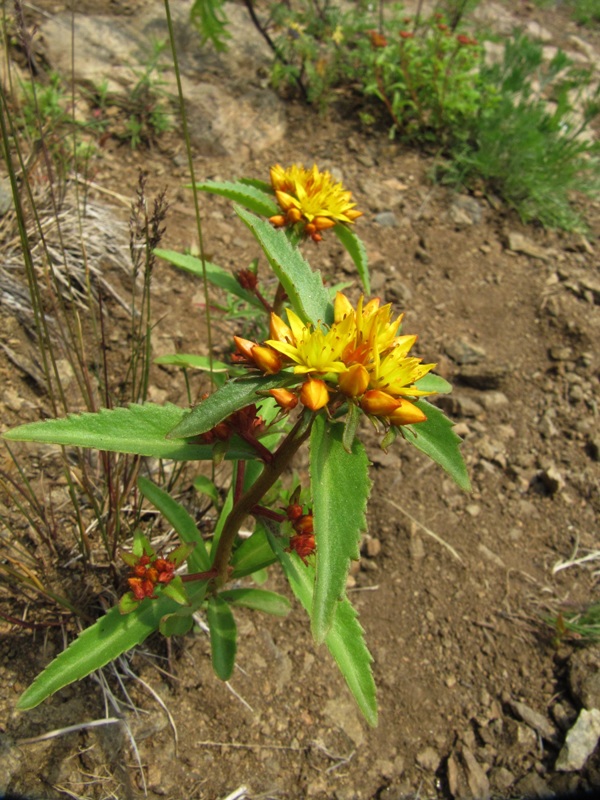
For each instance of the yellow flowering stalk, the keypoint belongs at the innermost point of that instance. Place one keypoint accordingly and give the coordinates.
(310, 199)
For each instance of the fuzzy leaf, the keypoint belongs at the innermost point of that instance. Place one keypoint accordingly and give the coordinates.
(178, 517)
(306, 293)
(259, 600)
(357, 252)
(177, 624)
(345, 639)
(104, 641)
(176, 591)
(253, 554)
(216, 275)
(223, 637)
(434, 383)
(245, 193)
(437, 440)
(340, 487)
(219, 405)
(203, 485)
(139, 429)
(192, 361)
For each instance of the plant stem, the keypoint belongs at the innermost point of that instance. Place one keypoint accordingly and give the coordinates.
(280, 461)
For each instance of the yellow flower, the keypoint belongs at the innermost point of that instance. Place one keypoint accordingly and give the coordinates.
(314, 394)
(311, 198)
(375, 343)
(311, 349)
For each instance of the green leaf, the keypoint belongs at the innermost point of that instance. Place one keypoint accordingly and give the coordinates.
(345, 639)
(191, 361)
(223, 637)
(104, 641)
(353, 417)
(178, 517)
(259, 600)
(139, 429)
(203, 485)
(219, 405)
(434, 383)
(247, 194)
(176, 591)
(436, 439)
(216, 275)
(340, 487)
(253, 554)
(356, 250)
(177, 624)
(306, 293)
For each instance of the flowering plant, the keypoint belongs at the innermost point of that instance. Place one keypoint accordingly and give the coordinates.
(325, 365)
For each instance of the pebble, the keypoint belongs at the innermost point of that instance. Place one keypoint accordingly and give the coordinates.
(429, 759)
(463, 352)
(387, 219)
(581, 741)
(584, 676)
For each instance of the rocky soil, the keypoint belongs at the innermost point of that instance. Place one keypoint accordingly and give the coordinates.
(477, 697)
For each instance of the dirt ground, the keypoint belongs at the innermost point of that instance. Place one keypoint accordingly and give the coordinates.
(475, 693)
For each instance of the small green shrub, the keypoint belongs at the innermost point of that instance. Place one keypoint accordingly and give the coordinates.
(527, 149)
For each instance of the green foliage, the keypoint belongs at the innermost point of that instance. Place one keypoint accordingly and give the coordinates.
(146, 104)
(211, 21)
(112, 635)
(345, 639)
(340, 488)
(530, 152)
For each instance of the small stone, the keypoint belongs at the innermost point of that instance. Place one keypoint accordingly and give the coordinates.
(501, 779)
(521, 244)
(584, 676)
(493, 401)
(371, 547)
(535, 720)
(462, 352)
(429, 759)
(387, 219)
(581, 741)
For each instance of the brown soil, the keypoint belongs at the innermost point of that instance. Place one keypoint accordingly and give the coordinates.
(456, 640)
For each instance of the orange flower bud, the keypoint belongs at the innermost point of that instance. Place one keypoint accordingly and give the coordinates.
(355, 381)
(342, 307)
(266, 359)
(353, 214)
(285, 200)
(304, 526)
(377, 39)
(314, 394)
(284, 399)
(278, 220)
(322, 223)
(244, 346)
(293, 215)
(407, 413)
(279, 331)
(379, 403)
(406, 35)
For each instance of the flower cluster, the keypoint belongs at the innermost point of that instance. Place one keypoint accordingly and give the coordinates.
(360, 358)
(303, 540)
(147, 572)
(310, 200)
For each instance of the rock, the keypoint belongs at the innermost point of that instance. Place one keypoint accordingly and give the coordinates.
(535, 720)
(521, 244)
(466, 778)
(483, 376)
(461, 351)
(10, 761)
(550, 479)
(581, 741)
(584, 676)
(342, 712)
(387, 219)
(532, 786)
(501, 779)
(428, 759)
(371, 547)
(493, 401)
(465, 211)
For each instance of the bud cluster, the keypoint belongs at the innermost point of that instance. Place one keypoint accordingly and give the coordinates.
(303, 540)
